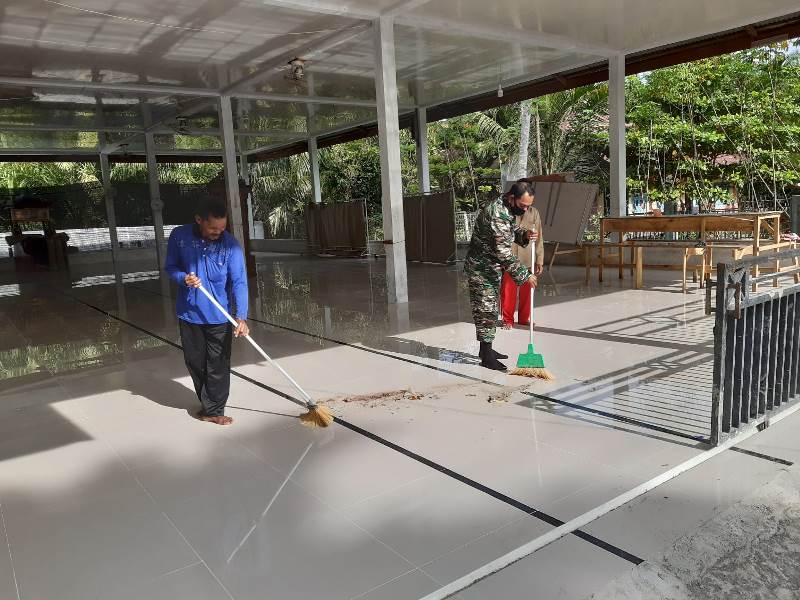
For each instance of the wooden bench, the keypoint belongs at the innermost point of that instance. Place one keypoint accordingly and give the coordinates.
(739, 250)
(636, 264)
(690, 249)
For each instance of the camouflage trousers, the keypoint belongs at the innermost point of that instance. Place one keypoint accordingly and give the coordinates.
(484, 296)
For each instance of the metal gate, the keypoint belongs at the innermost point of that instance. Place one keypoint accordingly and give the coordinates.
(756, 343)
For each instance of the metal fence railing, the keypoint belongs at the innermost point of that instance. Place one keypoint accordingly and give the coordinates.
(756, 343)
(465, 221)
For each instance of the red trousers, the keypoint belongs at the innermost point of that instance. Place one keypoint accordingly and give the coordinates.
(509, 293)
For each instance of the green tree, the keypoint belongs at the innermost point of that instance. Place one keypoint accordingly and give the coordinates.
(717, 129)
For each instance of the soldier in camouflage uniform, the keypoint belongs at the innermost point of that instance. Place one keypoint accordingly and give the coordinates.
(488, 257)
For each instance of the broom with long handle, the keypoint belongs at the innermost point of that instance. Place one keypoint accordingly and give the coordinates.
(531, 364)
(317, 416)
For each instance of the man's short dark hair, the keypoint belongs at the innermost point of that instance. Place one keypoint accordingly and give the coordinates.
(212, 207)
(519, 189)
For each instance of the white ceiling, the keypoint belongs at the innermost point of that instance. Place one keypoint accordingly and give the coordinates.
(191, 49)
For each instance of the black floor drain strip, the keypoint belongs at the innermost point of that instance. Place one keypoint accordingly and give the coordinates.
(579, 407)
(754, 454)
(533, 512)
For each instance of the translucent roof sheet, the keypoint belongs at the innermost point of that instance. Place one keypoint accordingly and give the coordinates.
(91, 64)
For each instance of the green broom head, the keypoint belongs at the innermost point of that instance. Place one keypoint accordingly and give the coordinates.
(530, 360)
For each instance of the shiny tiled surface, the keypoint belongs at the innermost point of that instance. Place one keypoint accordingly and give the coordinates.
(104, 473)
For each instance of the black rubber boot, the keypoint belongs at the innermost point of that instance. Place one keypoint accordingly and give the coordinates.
(498, 355)
(489, 358)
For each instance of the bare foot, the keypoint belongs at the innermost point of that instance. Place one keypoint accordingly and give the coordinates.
(219, 420)
(507, 325)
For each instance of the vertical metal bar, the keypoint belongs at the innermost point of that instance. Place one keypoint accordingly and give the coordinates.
(766, 344)
(795, 371)
(720, 351)
(730, 359)
(755, 363)
(748, 318)
(781, 391)
(737, 371)
(772, 366)
(790, 344)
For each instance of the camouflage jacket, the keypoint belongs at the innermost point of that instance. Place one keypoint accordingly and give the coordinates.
(490, 247)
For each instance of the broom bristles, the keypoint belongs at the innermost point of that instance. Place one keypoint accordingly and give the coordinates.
(537, 373)
(317, 416)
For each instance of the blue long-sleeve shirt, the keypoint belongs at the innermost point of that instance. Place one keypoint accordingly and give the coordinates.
(221, 268)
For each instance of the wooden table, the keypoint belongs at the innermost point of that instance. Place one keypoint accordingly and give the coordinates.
(747, 223)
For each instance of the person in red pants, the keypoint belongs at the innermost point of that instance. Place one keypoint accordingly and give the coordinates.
(512, 295)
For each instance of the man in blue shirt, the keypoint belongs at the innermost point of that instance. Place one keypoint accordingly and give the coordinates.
(204, 253)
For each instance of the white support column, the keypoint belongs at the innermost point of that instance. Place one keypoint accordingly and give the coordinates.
(328, 328)
(616, 135)
(313, 157)
(244, 170)
(391, 180)
(313, 151)
(111, 213)
(423, 168)
(156, 205)
(229, 168)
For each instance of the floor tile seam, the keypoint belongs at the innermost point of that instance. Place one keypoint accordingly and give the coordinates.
(480, 537)
(390, 490)
(342, 515)
(259, 458)
(157, 578)
(10, 553)
(385, 583)
(185, 540)
(178, 570)
(617, 469)
(116, 453)
(328, 505)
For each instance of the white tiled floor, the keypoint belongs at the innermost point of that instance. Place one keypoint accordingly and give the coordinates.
(106, 479)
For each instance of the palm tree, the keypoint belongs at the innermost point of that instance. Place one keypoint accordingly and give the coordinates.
(565, 131)
(280, 189)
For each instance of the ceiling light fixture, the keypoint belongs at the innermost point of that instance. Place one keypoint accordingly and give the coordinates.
(297, 69)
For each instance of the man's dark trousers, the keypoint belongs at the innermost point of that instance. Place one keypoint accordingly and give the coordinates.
(207, 352)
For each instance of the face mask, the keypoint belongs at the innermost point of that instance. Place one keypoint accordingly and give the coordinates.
(516, 210)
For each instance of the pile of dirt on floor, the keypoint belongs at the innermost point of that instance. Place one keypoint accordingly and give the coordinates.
(471, 392)
(380, 398)
(504, 395)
